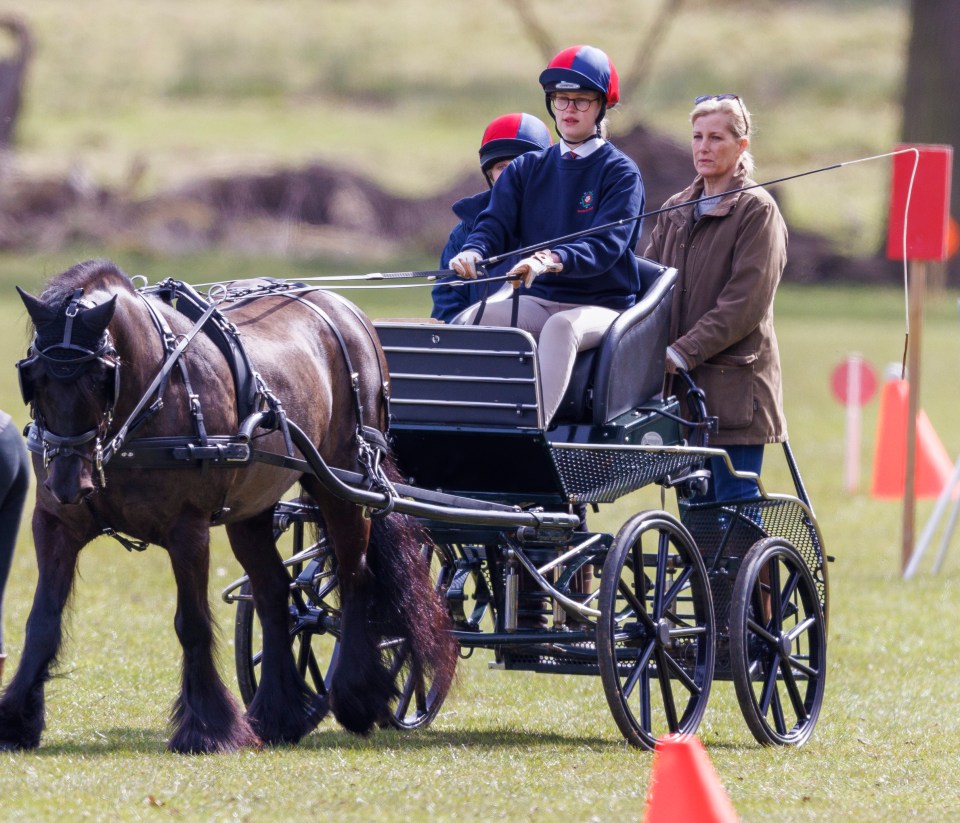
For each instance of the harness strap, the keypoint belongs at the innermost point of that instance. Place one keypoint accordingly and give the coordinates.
(129, 544)
(224, 335)
(384, 381)
(158, 381)
(354, 375)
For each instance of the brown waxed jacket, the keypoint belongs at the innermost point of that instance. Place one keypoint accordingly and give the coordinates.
(730, 263)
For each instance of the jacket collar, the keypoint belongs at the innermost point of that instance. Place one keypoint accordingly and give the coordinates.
(694, 191)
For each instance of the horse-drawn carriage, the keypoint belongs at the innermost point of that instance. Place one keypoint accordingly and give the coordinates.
(488, 498)
(658, 610)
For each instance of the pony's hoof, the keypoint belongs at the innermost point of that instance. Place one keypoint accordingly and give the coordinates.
(193, 741)
(289, 730)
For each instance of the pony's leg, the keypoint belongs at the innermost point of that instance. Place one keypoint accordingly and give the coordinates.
(22, 705)
(361, 686)
(390, 595)
(205, 717)
(284, 709)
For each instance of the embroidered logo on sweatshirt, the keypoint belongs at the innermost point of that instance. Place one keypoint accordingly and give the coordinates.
(586, 202)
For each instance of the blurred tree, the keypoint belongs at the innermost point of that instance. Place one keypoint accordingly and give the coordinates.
(643, 59)
(932, 85)
(12, 75)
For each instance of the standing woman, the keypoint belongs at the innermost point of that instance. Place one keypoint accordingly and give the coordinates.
(573, 291)
(730, 250)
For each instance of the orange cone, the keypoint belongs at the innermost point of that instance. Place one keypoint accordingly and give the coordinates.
(684, 785)
(933, 464)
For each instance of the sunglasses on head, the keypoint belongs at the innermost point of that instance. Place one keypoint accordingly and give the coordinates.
(704, 97)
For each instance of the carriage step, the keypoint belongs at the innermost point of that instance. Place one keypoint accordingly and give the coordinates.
(549, 660)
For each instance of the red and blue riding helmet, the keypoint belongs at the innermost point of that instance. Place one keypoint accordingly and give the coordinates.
(510, 136)
(582, 68)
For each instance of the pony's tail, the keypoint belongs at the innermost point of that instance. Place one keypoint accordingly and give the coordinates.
(406, 599)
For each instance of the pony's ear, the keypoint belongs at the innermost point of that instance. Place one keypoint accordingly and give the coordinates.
(97, 318)
(40, 314)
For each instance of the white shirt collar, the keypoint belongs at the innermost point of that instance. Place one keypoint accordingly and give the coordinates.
(584, 149)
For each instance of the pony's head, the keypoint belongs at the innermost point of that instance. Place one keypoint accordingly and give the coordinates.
(70, 378)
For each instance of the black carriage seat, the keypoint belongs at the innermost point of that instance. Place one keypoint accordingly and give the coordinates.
(467, 414)
(627, 368)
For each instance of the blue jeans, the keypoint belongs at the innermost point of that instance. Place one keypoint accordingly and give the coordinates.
(723, 485)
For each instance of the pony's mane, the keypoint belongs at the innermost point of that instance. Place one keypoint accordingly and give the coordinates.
(85, 275)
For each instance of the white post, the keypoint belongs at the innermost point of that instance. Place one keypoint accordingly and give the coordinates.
(852, 467)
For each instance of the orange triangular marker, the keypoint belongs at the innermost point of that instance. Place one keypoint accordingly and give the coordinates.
(933, 464)
(684, 786)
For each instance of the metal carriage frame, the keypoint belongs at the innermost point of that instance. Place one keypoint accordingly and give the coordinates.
(735, 591)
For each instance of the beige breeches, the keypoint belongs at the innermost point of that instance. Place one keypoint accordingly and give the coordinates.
(560, 329)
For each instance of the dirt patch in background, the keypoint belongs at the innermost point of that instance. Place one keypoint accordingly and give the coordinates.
(323, 211)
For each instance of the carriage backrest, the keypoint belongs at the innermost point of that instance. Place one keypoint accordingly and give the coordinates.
(627, 368)
(462, 375)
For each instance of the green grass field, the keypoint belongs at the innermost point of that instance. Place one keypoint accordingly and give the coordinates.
(512, 745)
(401, 92)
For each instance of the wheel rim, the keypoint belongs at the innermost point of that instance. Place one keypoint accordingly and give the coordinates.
(778, 644)
(314, 626)
(418, 699)
(656, 633)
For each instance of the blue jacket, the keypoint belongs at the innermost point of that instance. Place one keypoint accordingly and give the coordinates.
(449, 301)
(540, 196)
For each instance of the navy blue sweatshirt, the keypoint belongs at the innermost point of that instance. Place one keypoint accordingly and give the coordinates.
(541, 196)
(449, 301)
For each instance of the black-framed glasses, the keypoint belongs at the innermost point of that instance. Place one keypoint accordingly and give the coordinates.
(561, 102)
(727, 96)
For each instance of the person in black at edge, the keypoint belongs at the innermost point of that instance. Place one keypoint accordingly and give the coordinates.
(14, 484)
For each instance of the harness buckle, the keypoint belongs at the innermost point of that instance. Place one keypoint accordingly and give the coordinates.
(98, 463)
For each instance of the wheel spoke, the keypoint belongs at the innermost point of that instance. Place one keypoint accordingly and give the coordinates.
(403, 704)
(663, 548)
(679, 584)
(641, 665)
(793, 691)
(777, 708)
(682, 676)
(761, 632)
(800, 628)
(788, 590)
(638, 606)
(316, 675)
(666, 691)
(776, 603)
(769, 689)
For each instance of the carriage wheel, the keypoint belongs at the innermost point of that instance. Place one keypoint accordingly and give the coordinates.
(656, 632)
(419, 698)
(314, 623)
(778, 643)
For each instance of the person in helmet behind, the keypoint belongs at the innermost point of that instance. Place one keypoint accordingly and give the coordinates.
(574, 290)
(505, 138)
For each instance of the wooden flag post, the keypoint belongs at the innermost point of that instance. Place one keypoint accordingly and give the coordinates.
(918, 229)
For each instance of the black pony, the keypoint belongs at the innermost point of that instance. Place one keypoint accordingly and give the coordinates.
(107, 356)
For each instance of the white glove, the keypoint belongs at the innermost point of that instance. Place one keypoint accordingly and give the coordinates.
(528, 269)
(465, 264)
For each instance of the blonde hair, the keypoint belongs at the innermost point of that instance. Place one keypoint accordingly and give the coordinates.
(740, 122)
